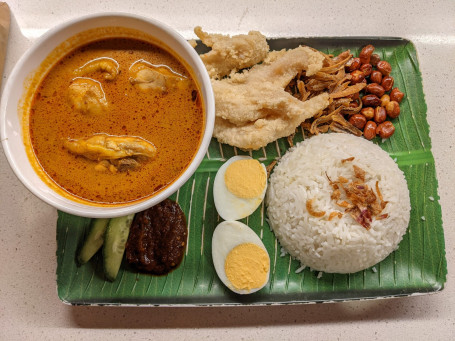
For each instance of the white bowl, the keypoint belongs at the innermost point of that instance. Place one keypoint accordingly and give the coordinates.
(10, 115)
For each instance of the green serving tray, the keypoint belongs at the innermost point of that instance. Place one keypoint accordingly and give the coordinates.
(418, 266)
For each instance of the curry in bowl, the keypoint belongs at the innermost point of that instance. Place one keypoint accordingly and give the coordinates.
(115, 121)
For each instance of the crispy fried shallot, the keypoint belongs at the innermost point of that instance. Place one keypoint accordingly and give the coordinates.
(349, 159)
(381, 199)
(359, 200)
(344, 204)
(309, 207)
(342, 180)
(379, 192)
(269, 168)
(335, 214)
(359, 173)
(290, 139)
(336, 194)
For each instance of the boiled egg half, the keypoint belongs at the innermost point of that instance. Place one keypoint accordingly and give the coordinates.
(240, 258)
(239, 187)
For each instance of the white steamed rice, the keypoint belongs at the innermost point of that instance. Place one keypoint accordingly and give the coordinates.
(340, 245)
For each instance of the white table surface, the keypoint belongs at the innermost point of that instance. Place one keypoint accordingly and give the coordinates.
(29, 306)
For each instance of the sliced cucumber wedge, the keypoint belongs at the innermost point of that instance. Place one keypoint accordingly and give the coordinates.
(94, 240)
(114, 244)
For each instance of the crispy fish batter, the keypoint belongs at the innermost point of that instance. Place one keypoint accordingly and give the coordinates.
(259, 133)
(259, 92)
(232, 53)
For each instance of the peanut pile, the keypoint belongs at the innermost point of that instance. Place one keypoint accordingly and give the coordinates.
(380, 100)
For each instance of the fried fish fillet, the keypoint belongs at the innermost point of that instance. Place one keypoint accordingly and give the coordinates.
(252, 107)
(259, 92)
(232, 53)
(256, 134)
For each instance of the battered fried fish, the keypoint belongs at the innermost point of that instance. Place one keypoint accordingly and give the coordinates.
(259, 92)
(252, 107)
(232, 53)
(259, 133)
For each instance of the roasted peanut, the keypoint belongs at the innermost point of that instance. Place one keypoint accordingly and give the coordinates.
(396, 95)
(366, 69)
(380, 114)
(354, 96)
(385, 99)
(376, 77)
(385, 130)
(369, 132)
(375, 89)
(358, 121)
(384, 67)
(375, 59)
(387, 83)
(371, 101)
(393, 109)
(368, 113)
(357, 76)
(353, 64)
(366, 53)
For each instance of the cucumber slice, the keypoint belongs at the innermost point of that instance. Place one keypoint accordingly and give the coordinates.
(94, 240)
(114, 244)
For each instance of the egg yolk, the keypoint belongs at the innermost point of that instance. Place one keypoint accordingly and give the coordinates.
(245, 178)
(247, 266)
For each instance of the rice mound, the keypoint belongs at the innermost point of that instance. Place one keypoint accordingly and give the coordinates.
(341, 245)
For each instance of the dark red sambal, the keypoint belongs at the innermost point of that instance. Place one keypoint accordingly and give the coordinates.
(157, 238)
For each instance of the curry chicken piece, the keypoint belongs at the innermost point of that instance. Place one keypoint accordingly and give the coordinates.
(149, 77)
(108, 66)
(115, 153)
(87, 96)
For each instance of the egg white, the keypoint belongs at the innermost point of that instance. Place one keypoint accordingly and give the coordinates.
(228, 205)
(226, 236)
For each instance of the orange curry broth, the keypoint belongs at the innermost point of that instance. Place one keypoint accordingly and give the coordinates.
(172, 121)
